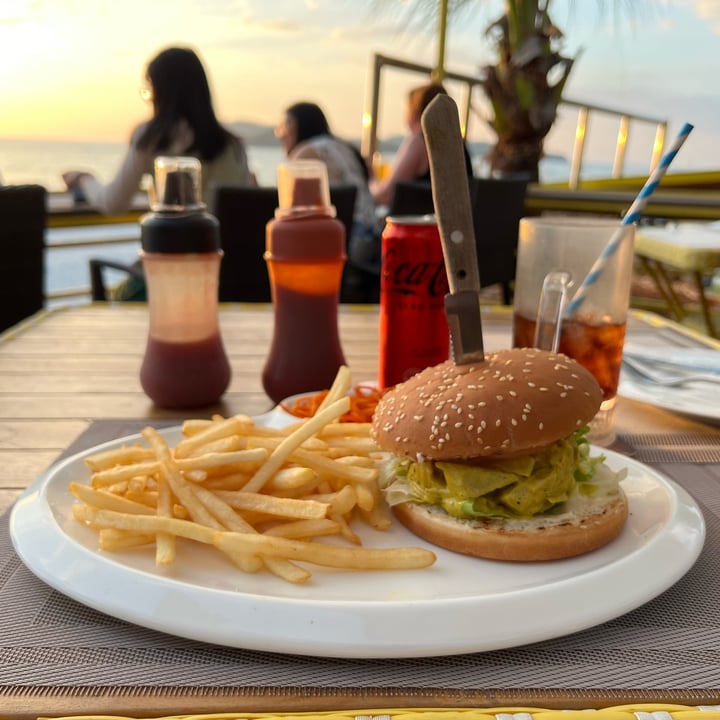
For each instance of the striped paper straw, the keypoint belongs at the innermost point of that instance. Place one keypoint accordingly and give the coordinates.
(631, 217)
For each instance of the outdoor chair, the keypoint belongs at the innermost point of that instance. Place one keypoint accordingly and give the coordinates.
(22, 244)
(497, 206)
(411, 198)
(98, 288)
(243, 214)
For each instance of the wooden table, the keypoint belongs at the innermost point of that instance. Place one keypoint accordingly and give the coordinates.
(64, 369)
(63, 211)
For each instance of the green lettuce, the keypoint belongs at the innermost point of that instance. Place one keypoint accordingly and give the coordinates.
(509, 488)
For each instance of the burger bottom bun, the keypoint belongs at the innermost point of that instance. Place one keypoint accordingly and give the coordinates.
(531, 540)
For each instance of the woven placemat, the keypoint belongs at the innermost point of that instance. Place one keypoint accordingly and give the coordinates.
(703, 447)
(666, 648)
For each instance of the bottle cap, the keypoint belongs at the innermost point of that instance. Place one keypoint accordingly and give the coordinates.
(178, 223)
(303, 189)
(177, 184)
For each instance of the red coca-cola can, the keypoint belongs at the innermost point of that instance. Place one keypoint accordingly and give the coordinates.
(414, 332)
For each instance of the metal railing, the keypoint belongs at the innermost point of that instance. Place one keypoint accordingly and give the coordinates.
(584, 110)
(369, 147)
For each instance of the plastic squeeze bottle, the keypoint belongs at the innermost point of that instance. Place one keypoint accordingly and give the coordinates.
(185, 364)
(305, 253)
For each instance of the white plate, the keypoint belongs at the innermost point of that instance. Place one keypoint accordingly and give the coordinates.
(459, 605)
(699, 400)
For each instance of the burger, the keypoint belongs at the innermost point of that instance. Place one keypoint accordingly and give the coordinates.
(492, 459)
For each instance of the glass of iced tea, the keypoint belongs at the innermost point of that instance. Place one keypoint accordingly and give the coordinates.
(568, 247)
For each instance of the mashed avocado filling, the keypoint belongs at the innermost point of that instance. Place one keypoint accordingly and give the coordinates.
(509, 488)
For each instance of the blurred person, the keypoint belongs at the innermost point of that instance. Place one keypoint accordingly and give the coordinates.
(411, 163)
(183, 123)
(305, 134)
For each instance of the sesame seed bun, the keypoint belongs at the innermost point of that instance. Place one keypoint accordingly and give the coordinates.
(515, 402)
(544, 538)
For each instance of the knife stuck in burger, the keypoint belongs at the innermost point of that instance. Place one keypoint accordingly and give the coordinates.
(487, 452)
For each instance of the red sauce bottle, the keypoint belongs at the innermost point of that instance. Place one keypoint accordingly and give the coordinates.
(305, 253)
(185, 365)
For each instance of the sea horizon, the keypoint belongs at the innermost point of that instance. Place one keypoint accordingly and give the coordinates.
(42, 161)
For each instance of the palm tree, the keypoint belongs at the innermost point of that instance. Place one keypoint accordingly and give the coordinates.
(524, 87)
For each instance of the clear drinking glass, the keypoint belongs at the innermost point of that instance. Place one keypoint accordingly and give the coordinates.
(557, 253)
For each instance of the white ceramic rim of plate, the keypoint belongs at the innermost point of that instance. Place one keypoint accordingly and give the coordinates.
(662, 540)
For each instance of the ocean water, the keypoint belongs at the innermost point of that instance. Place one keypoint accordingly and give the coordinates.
(44, 161)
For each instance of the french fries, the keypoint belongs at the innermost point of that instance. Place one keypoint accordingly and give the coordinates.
(262, 496)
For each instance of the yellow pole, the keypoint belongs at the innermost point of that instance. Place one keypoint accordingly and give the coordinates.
(439, 72)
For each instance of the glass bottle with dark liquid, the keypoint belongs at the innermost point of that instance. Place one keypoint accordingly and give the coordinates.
(185, 364)
(305, 253)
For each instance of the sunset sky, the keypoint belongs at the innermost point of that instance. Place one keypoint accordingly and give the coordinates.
(72, 68)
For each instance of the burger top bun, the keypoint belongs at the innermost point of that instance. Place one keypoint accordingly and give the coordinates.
(515, 402)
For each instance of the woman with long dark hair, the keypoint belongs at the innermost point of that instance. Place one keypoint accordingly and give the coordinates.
(183, 123)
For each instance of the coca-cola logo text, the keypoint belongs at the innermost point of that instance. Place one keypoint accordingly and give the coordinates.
(413, 277)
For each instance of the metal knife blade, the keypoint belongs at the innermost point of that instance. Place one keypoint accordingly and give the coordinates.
(451, 197)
